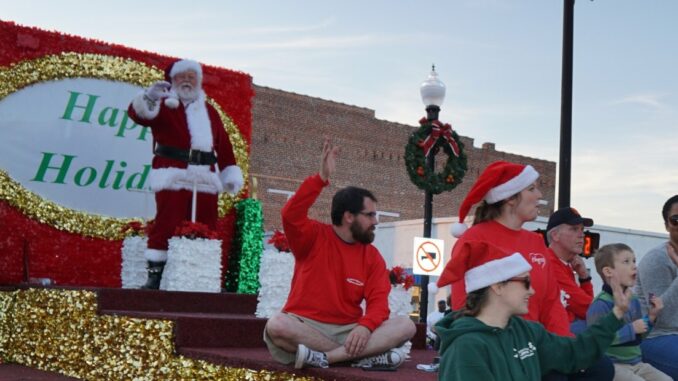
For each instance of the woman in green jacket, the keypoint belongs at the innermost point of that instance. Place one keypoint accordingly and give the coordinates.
(487, 340)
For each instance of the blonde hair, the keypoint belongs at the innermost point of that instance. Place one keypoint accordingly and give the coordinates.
(605, 255)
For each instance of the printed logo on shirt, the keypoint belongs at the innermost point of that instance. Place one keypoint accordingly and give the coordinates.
(524, 353)
(538, 258)
(564, 298)
(355, 281)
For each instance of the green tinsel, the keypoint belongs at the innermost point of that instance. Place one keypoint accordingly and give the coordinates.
(243, 262)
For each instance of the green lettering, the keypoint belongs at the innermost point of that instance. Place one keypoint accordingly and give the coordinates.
(142, 178)
(117, 183)
(92, 174)
(68, 113)
(45, 165)
(107, 172)
(123, 126)
(111, 120)
(142, 133)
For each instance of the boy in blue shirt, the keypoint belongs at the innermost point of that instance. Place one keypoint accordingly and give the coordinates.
(625, 351)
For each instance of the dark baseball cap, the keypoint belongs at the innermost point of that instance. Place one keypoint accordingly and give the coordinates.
(568, 216)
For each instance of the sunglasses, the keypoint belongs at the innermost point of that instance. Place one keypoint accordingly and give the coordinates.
(673, 220)
(525, 280)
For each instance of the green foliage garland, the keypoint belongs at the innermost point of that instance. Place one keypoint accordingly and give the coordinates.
(243, 269)
(415, 161)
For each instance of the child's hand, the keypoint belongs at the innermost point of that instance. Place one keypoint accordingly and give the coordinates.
(621, 297)
(656, 305)
(639, 326)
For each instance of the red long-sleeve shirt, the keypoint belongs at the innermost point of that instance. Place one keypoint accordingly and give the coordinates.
(576, 298)
(545, 306)
(332, 277)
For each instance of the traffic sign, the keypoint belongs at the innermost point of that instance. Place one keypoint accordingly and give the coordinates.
(428, 256)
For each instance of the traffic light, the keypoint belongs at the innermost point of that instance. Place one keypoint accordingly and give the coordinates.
(591, 244)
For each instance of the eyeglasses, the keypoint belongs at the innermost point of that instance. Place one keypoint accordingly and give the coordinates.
(673, 220)
(368, 214)
(525, 280)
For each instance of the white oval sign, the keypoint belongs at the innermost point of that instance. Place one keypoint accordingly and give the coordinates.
(70, 141)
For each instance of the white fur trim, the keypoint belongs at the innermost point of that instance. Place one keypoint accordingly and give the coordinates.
(185, 65)
(231, 178)
(457, 229)
(495, 271)
(178, 179)
(172, 102)
(199, 124)
(155, 255)
(432, 288)
(140, 106)
(501, 192)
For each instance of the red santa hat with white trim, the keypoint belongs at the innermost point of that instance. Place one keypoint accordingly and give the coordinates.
(177, 67)
(482, 264)
(499, 181)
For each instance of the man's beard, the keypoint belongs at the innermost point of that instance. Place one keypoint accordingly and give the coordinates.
(363, 236)
(186, 92)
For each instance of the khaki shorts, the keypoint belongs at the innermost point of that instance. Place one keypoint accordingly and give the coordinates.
(334, 332)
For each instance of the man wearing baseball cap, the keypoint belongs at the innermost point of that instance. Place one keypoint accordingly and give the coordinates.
(565, 235)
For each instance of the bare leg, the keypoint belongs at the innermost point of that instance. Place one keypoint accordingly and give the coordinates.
(390, 334)
(287, 332)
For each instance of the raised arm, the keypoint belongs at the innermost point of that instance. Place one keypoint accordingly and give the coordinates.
(328, 160)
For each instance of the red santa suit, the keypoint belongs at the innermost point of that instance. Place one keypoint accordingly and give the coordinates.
(180, 127)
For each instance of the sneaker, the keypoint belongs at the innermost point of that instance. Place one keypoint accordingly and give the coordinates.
(390, 359)
(308, 357)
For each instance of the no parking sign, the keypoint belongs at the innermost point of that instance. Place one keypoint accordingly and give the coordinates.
(428, 256)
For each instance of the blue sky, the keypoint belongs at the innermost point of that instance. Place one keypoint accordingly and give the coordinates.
(500, 60)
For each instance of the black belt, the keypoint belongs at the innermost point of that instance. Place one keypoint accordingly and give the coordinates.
(189, 156)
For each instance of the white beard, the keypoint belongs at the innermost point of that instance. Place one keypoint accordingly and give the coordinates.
(186, 92)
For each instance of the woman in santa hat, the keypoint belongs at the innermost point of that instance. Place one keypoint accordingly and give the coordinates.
(509, 196)
(487, 340)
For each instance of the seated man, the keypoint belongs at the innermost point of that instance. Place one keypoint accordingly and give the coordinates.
(565, 234)
(336, 268)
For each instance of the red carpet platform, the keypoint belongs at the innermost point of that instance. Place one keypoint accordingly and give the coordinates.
(222, 329)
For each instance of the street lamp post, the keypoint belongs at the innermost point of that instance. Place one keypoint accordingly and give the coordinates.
(432, 94)
(565, 164)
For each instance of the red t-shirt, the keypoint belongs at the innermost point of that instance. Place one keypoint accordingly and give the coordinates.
(576, 298)
(332, 277)
(545, 306)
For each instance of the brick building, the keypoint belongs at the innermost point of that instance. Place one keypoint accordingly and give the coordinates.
(287, 135)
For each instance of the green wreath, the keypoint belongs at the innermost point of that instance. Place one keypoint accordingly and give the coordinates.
(444, 138)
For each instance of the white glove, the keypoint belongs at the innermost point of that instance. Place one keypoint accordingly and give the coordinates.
(158, 90)
(232, 179)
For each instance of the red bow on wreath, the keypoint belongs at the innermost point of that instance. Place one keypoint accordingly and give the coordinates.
(439, 130)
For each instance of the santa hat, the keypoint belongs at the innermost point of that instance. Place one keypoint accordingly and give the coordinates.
(482, 264)
(181, 66)
(175, 68)
(499, 181)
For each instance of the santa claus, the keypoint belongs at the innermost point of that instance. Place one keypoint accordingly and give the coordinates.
(192, 152)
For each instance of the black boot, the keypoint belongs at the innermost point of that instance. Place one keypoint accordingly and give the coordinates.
(154, 275)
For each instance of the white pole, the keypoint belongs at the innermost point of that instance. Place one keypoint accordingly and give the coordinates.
(195, 200)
